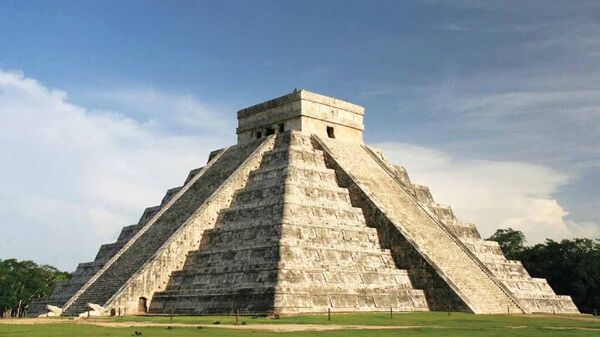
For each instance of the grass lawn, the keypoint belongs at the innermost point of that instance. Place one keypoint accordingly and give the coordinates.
(408, 324)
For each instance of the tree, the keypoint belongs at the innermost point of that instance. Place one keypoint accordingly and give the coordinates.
(512, 242)
(23, 281)
(571, 267)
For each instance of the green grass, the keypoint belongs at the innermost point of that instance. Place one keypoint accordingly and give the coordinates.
(417, 318)
(431, 324)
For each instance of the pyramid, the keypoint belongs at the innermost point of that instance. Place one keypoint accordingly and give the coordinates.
(299, 216)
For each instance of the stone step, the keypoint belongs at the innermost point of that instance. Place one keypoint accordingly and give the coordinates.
(310, 266)
(127, 232)
(265, 194)
(275, 220)
(292, 155)
(275, 208)
(309, 230)
(209, 303)
(274, 189)
(192, 174)
(325, 238)
(148, 214)
(169, 195)
(363, 258)
(299, 172)
(313, 213)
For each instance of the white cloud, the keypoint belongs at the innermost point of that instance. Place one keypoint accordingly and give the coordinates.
(182, 113)
(72, 177)
(493, 194)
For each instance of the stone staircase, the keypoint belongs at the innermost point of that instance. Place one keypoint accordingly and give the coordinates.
(290, 242)
(156, 226)
(533, 294)
(63, 291)
(455, 263)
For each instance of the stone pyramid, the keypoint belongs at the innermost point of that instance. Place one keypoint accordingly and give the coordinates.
(300, 216)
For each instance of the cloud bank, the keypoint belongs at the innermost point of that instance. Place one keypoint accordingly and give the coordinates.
(72, 177)
(493, 194)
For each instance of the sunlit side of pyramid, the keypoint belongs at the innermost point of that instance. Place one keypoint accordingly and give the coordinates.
(300, 216)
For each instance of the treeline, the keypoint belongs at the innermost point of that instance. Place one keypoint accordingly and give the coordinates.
(23, 281)
(572, 267)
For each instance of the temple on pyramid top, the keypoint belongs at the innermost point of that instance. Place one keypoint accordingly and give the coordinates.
(300, 216)
(304, 111)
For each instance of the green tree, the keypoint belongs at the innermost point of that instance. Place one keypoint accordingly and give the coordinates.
(23, 281)
(571, 267)
(512, 242)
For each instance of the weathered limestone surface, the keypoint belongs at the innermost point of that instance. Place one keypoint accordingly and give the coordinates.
(302, 110)
(106, 282)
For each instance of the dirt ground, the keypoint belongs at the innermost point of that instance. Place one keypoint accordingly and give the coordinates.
(262, 327)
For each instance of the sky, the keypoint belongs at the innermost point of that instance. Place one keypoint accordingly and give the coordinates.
(105, 105)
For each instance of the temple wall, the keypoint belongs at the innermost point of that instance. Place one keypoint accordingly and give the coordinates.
(302, 111)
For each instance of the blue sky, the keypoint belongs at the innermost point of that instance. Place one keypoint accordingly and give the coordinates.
(104, 105)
